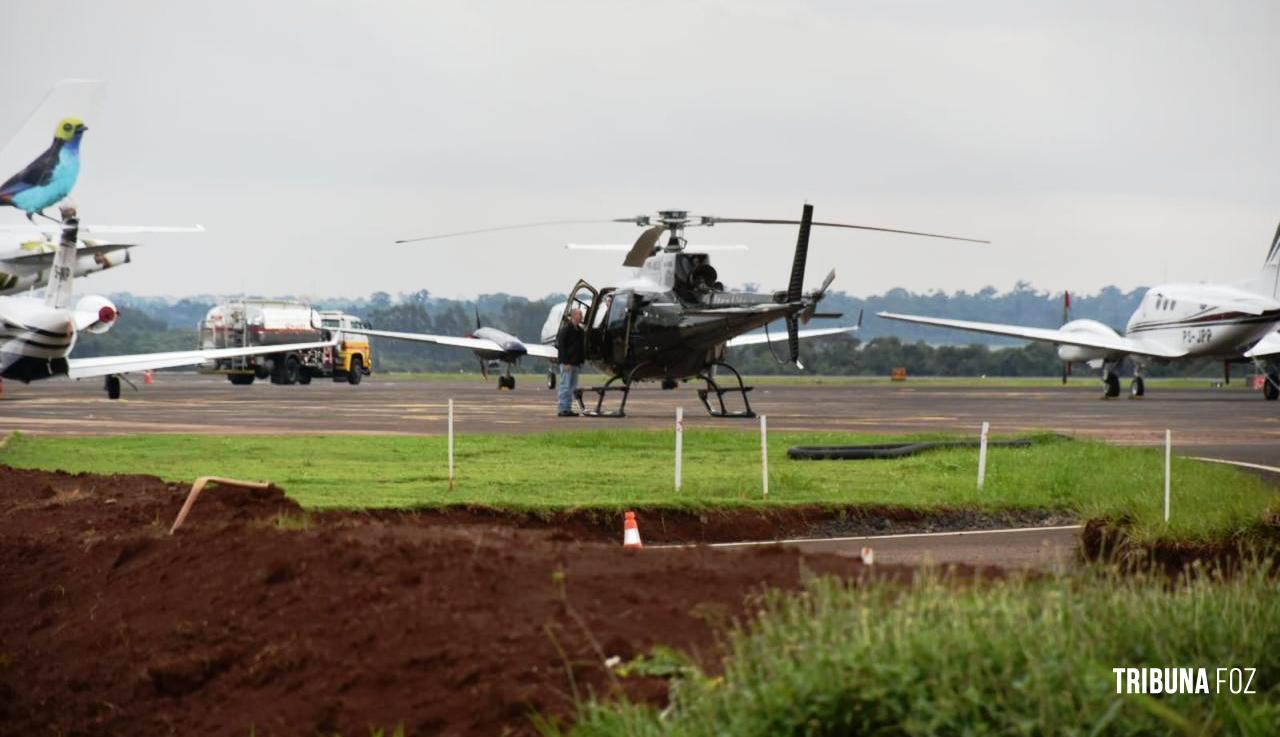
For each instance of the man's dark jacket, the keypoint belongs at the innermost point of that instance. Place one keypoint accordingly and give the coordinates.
(569, 345)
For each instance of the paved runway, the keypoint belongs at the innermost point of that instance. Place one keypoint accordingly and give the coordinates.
(1042, 547)
(1229, 423)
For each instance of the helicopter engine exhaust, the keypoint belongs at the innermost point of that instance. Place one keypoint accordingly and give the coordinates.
(796, 284)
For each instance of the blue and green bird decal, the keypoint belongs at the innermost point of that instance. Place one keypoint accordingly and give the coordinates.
(50, 178)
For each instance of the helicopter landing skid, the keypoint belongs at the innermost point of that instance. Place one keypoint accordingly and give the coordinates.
(601, 391)
(712, 386)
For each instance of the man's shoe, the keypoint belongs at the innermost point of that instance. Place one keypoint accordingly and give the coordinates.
(570, 413)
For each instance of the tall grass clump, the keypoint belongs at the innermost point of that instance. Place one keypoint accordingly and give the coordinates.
(1012, 657)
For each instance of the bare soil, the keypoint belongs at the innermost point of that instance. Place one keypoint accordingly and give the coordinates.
(257, 618)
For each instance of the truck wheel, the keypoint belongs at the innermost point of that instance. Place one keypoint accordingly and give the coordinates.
(112, 385)
(291, 370)
(261, 371)
(241, 379)
(357, 371)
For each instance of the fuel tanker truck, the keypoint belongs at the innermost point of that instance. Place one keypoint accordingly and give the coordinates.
(264, 323)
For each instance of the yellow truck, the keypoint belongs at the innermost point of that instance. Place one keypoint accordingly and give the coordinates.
(261, 322)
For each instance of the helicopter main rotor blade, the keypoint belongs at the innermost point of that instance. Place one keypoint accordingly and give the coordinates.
(507, 227)
(643, 246)
(710, 220)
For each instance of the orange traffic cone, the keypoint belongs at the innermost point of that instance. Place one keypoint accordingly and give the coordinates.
(630, 531)
(147, 377)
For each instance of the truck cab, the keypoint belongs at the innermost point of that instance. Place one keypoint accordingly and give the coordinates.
(353, 358)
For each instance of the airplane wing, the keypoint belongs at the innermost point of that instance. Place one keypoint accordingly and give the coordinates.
(84, 368)
(56, 229)
(1117, 343)
(537, 350)
(38, 259)
(475, 344)
(542, 350)
(781, 336)
(1268, 346)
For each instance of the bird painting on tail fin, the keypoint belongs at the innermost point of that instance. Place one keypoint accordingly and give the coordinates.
(49, 179)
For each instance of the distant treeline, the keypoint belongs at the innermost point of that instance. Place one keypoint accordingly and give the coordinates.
(154, 324)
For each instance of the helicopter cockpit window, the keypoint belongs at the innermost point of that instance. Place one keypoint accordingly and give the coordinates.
(618, 312)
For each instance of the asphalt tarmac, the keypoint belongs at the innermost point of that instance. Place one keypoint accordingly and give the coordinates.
(1232, 423)
(1036, 547)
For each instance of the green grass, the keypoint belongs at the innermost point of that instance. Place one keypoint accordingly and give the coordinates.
(634, 468)
(1015, 657)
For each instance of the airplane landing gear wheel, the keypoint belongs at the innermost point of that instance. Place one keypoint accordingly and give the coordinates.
(506, 382)
(1271, 388)
(551, 380)
(241, 379)
(304, 376)
(1137, 388)
(112, 385)
(1112, 386)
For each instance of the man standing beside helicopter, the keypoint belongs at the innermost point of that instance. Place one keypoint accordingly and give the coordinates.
(570, 351)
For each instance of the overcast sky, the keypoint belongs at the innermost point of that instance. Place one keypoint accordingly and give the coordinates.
(1094, 143)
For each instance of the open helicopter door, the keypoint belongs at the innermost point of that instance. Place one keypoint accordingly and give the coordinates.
(583, 297)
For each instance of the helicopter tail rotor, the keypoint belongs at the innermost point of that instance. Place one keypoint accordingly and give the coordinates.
(809, 312)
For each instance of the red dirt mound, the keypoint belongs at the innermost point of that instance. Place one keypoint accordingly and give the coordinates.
(257, 617)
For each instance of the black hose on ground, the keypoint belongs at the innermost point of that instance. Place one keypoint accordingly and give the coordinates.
(888, 450)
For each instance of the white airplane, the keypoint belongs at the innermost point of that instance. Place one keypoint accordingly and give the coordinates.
(1234, 323)
(25, 265)
(38, 333)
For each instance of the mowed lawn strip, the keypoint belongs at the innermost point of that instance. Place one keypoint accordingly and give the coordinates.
(634, 468)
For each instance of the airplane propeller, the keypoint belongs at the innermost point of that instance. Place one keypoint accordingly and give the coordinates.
(484, 366)
(1066, 318)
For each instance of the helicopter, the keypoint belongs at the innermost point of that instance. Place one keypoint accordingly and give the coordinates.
(673, 320)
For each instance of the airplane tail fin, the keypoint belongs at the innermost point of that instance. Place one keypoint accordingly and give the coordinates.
(70, 98)
(1270, 276)
(62, 272)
